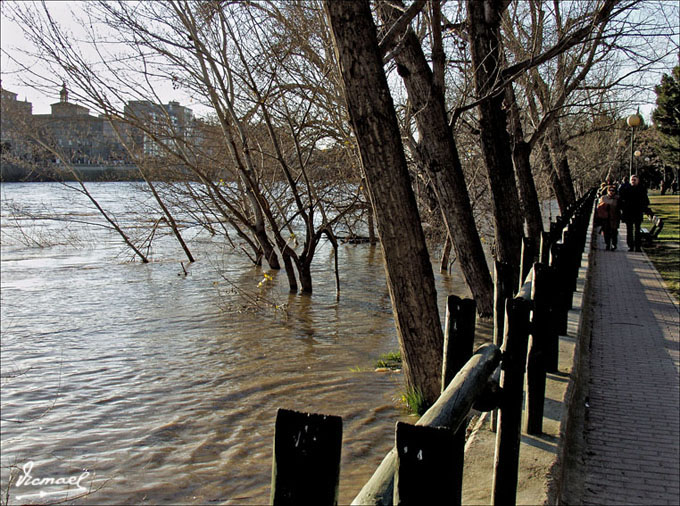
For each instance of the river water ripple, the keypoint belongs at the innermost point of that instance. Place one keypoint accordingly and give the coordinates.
(165, 387)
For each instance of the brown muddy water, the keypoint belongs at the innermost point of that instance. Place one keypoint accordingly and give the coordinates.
(153, 387)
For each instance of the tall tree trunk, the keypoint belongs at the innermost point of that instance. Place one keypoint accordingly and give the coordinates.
(440, 157)
(446, 254)
(410, 278)
(560, 162)
(521, 152)
(555, 183)
(546, 158)
(484, 34)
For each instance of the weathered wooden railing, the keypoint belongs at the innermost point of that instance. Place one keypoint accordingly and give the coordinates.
(426, 464)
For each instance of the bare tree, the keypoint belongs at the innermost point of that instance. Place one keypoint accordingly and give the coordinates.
(582, 58)
(266, 118)
(439, 155)
(483, 27)
(407, 262)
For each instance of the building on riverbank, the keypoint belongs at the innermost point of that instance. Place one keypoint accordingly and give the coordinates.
(13, 113)
(35, 146)
(79, 137)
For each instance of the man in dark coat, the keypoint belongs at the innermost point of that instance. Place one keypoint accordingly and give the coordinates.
(634, 203)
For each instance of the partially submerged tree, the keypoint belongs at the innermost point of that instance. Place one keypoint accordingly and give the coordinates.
(407, 262)
(267, 117)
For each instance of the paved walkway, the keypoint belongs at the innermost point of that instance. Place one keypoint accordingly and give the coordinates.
(632, 426)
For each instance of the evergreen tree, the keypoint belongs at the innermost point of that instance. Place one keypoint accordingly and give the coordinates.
(667, 117)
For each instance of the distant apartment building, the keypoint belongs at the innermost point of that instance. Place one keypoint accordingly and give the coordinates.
(157, 128)
(71, 133)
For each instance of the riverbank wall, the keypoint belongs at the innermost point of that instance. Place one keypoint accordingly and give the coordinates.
(12, 173)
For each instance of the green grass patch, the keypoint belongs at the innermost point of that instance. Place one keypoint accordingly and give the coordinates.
(391, 360)
(414, 400)
(665, 250)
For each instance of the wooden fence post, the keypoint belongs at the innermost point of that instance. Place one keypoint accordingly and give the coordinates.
(306, 461)
(583, 222)
(423, 468)
(459, 339)
(544, 254)
(459, 336)
(528, 257)
(450, 410)
(541, 332)
(569, 239)
(556, 229)
(506, 462)
(560, 309)
(502, 291)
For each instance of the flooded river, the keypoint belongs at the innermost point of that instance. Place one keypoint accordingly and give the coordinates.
(164, 387)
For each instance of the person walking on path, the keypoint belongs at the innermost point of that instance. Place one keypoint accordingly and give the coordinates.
(634, 203)
(609, 217)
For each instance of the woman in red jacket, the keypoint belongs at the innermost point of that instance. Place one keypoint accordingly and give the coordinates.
(609, 217)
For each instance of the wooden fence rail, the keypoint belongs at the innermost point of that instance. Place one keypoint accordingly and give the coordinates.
(426, 464)
(449, 411)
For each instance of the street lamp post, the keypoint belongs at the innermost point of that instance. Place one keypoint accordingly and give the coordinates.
(633, 121)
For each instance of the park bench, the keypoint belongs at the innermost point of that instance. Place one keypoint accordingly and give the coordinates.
(648, 235)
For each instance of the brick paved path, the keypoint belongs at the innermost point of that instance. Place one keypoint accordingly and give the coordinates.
(632, 428)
